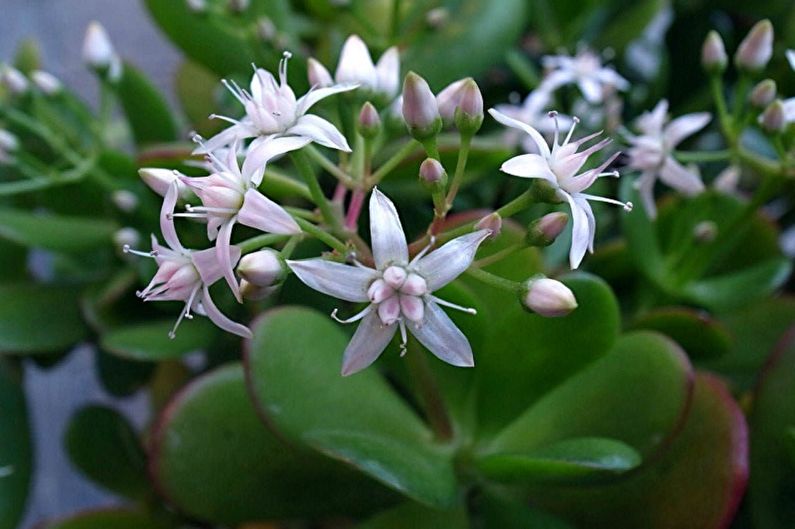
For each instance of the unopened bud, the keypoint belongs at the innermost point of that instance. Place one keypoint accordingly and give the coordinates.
(318, 74)
(255, 293)
(437, 17)
(432, 172)
(756, 48)
(548, 297)
(713, 53)
(263, 268)
(197, 6)
(774, 118)
(469, 114)
(420, 111)
(159, 181)
(728, 180)
(46, 82)
(98, 52)
(763, 93)
(448, 99)
(8, 141)
(492, 222)
(125, 200)
(369, 124)
(705, 231)
(266, 29)
(238, 6)
(13, 80)
(126, 237)
(544, 231)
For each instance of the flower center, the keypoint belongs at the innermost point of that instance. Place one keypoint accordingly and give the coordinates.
(398, 294)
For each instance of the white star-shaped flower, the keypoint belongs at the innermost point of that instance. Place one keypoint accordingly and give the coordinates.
(584, 69)
(534, 112)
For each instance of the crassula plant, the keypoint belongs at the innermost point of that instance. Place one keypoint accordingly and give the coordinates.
(556, 300)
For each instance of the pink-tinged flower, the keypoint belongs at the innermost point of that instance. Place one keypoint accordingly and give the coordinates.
(651, 153)
(399, 292)
(533, 111)
(560, 167)
(585, 69)
(356, 66)
(272, 112)
(229, 195)
(186, 275)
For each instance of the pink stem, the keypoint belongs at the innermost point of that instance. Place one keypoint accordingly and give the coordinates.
(354, 209)
(339, 194)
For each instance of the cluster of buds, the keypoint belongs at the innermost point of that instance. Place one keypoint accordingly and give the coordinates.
(425, 114)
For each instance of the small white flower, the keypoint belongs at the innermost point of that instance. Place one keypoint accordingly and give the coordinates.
(99, 53)
(272, 111)
(46, 82)
(356, 66)
(560, 167)
(186, 275)
(229, 195)
(13, 80)
(585, 69)
(399, 291)
(651, 152)
(8, 146)
(534, 111)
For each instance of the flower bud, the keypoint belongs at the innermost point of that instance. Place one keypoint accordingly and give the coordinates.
(432, 173)
(255, 293)
(763, 93)
(544, 231)
(264, 268)
(266, 30)
(8, 141)
(713, 53)
(197, 6)
(548, 297)
(420, 111)
(492, 222)
(469, 114)
(98, 52)
(756, 48)
(447, 100)
(159, 181)
(238, 6)
(46, 82)
(437, 17)
(125, 200)
(774, 119)
(728, 180)
(13, 80)
(318, 74)
(705, 231)
(369, 124)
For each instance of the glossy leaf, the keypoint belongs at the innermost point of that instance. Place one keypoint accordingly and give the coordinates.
(502, 510)
(196, 87)
(117, 518)
(106, 449)
(293, 368)
(417, 516)
(146, 110)
(150, 341)
(212, 457)
(55, 232)
(701, 336)
(39, 318)
(15, 448)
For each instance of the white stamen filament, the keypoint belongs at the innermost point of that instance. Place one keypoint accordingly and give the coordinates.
(403, 337)
(574, 121)
(126, 249)
(353, 318)
(444, 303)
(424, 250)
(554, 115)
(185, 313)
(626, 205)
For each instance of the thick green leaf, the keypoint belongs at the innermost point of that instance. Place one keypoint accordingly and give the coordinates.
(772, 417)
(55, 232)
(39, 318)
(106, 449)
(637, 394)
(293, 366)
(15, 448)
(637, 227)
(581, 460)
(146, 110)
(497, 509)
(527, 355)
(212, 457)
(150, 341)
(195, 87)
(417, 516)
(116, 518)
(698, 482)
(701, 336)
(122, 377)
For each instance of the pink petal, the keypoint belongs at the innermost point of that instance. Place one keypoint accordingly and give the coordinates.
(440, 336)
(167, 220)
(539, 140)
(262, 213)
(218, 318)
(386, 232)
(223, 252)
(367, 344)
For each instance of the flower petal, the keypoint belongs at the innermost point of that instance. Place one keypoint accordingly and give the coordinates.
(355, 64)
(334, 279)
(440, 336)
(388, 72)
(645, 187)
(684, 126)
(320, 131)
(367, 344)
(539, 140)
(651, 122)
(791, 58)
(581, 235)
(441, 266)
(226, 137)
(223, 252)
(680, 178)
(591, 89)
(263, 151)
(386, 233)
(308, 100)
(586, 207)
(262, 213)
(167, 218)
(529, 166)
(218, 318)
(206, 263)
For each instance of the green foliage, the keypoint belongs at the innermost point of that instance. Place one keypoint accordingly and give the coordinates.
(16, 451)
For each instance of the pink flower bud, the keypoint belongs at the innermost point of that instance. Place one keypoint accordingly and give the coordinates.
(264, 268)
(713, 53)
(369, 124)
(492, 222)
(159, 181)
(447, 100)
(432, 172)
(125, 200)
(255, 293)
(420, 111)
(469, 115)
(548, 297)
(318, 74)
(756, 48)
(395, 276)
(774, 119)
(763, 93)
(544, 231)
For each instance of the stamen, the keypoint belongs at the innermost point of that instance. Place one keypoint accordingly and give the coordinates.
(403, 337)
(574, 121)
(126, 249)
(170, 216)
(444, 303)
(283, 67)
(614, 174)
(424, 250)
(185, 313)
(224, 118)
(626, 205)
(353, 318)
(208, 209)
(554, 115)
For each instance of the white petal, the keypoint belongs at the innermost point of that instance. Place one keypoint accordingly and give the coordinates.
(683, 126)
(262, 82)
(580, 234)
(355, 64)
(167, 220)
(651, 123)
(680, 178)
(320, 131)
(451, 260)
(264, 150)
(529, 166)
(314, 95)
(223, 252)
(367, 344)
(225, 138)
(645, 186)
(386, 233)
(334, 279)
(791, 58)
(206, 263)
(586, 208)
(440, 336)
(388, 72)
(258, 211)
(591, 90)
(543, 148)
(218, 318)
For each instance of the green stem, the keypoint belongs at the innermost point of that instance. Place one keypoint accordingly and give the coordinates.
(432, 148)
(326, 209)
(260, 241)
(277, 182)
(322, 236)
(329, 166)
(460, 167)
(498, 256)
(288, 248)
(429, 392)
(716, 87)
(395, 21)
(494, 280)
(387, 167)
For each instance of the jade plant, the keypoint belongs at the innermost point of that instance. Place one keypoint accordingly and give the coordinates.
(396, 296)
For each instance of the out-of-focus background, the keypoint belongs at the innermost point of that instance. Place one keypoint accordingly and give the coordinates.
(54, 395)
